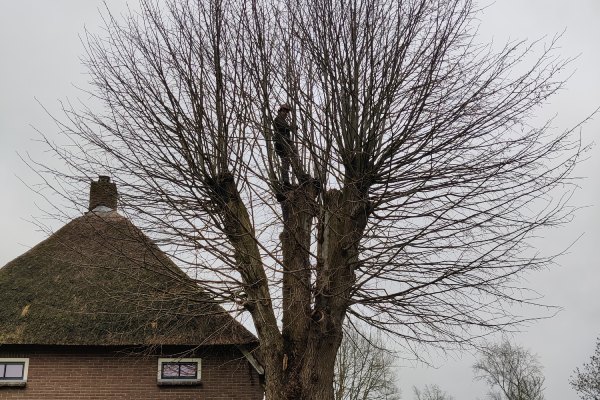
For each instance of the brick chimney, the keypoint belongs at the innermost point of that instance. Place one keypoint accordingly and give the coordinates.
(103, 193)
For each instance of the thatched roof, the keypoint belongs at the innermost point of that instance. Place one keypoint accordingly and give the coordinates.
(100, 281)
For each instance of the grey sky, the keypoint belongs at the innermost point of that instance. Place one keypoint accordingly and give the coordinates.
(39, 58)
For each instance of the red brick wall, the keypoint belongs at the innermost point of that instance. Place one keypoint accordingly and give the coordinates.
(87, 373)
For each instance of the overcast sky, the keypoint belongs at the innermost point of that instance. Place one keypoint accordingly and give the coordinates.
(39, 59)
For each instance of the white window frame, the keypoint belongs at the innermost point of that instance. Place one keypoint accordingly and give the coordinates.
(162, 381)
(15, 382)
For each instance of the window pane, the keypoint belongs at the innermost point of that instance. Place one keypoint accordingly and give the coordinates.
(179, 370)
(170, 370)
(14, 371)
(188, 370)
(2, 370)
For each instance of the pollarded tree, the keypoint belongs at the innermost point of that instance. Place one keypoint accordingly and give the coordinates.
(414, 175)
(512, 370)
(586, 381)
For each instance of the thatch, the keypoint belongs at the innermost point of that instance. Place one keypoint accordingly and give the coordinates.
(100, 281)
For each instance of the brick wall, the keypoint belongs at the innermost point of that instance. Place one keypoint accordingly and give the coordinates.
(94, 373)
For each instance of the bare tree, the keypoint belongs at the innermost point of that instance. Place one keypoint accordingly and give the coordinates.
(586, 381)
(363, 368)
(512, 370)
(431, 392)
(415, 177)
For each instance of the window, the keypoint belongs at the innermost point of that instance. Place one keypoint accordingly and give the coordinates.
(178, 371)
(13, 371)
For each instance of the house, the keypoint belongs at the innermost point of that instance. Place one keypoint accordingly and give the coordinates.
(98, 311)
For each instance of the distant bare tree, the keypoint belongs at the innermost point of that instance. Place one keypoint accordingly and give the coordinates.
(363, 368)
(431, 392)
(511, 369)
(401, 190)
(586, 381)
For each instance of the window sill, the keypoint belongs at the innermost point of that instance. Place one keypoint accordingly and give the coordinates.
(178, 382)
(13, 383)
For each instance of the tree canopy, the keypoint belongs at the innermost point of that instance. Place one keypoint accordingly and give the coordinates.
(364, 368)
(512, 372)
(417, 176)
(586, 380)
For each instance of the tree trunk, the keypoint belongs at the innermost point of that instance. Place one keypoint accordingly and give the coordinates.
(313, 327)
(309, 376)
